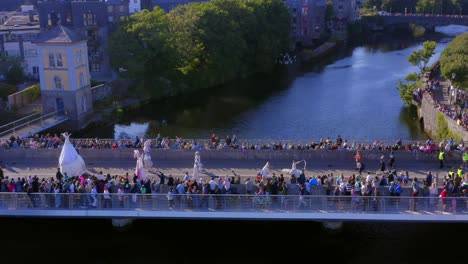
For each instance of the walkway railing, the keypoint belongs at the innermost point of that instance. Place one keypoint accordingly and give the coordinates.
(13, 127)
(236, 203)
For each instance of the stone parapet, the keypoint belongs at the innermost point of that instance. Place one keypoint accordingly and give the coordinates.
(116, 155)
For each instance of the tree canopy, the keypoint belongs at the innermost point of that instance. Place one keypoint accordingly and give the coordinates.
(12, 69)
(199, 45)
(420, 58)
(454, 60)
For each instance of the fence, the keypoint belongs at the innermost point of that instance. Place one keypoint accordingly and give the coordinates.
(236, 203)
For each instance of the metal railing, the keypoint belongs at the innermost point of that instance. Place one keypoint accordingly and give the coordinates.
(13, 127)
(237, 203)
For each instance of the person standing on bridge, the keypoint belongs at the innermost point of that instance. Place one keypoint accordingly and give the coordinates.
(441, 158)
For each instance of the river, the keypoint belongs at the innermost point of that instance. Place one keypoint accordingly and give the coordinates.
(353, 94)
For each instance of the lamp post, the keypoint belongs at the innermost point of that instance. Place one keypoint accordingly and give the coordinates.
(451, 91)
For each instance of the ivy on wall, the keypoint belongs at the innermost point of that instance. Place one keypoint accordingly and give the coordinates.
(443, 131)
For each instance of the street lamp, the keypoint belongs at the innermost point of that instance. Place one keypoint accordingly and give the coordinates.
(451, 91)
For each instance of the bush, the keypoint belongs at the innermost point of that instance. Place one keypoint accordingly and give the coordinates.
(7, 89)
(443, 131)
(33, 92)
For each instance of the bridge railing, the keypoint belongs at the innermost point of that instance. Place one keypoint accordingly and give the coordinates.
(236, 203)
(13, 127)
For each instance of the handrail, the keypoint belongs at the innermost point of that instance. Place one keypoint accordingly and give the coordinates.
(318, 204)
(41, 118)
(24, 118)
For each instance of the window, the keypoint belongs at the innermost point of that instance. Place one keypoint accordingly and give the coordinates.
(110, 8)
(95, 67)
(89, 19)
(30, 53)
(79, 57)
(59, 60)
(122, 8)
(58, 83)
(82, 82)
(110, 18)
(35, 70)
(51, 60)
(135, 1)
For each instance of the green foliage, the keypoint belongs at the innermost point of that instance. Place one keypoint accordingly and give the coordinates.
(12, 69)
(443, 132)
(7, 89)
(406, 92)
(420, 58)
(418, 31)
(200, 45)
(33, 92)
(454, 59)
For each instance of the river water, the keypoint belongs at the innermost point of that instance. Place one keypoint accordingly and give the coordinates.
(353, 94)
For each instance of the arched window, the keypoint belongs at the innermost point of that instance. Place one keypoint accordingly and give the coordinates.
(58, 83)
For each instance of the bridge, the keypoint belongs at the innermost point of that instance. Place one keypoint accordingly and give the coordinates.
(32, 124)
(428, 21)
(329, 209)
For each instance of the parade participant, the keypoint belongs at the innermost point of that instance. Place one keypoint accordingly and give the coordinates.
(70, 161)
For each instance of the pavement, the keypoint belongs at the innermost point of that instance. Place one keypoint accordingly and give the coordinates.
(244, 168)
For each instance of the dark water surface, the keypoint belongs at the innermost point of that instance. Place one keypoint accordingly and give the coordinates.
(171, 241)
(352, 94)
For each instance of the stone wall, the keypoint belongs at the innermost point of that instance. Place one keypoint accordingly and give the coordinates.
(428, 112)
(126, 155)
(19, 99)
(100, 92)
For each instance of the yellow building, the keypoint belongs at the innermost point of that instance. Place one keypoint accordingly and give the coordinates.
(64, 75)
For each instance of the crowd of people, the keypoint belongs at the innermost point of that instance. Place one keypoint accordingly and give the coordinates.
(122, 191)
(216, 143)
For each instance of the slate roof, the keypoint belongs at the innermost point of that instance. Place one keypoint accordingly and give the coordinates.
(60, 34)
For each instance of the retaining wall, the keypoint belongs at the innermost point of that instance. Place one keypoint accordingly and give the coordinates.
(429, 114)
(124, 155)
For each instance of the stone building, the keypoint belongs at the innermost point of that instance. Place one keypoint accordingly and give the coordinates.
(64, 75)
(307, 21)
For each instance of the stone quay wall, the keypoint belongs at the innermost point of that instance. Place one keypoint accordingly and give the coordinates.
(126, 155)
(428, 112)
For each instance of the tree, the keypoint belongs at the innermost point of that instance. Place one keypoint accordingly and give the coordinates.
(142, 49)
(12, 69)
(454, 60)
(420, 58)
(407, 89)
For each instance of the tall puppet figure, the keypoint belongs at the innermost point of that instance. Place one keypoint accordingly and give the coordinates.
(139, 169)
(147, 162)
(197, 166)
(70, 162)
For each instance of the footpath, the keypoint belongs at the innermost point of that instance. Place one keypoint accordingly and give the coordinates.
(224, 167)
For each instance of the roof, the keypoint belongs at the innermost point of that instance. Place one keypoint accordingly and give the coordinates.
(116, 2)
(60, 34)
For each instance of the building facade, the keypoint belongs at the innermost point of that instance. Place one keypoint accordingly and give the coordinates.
(17, 31)
(134, 6)
(64, 74)
(307, 20)
(88, 17)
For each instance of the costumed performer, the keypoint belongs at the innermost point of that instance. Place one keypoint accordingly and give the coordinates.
(70, 162)
(139, 169)
(147, 162)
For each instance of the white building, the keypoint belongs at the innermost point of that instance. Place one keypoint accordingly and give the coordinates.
(16, 34)
(134, 6)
